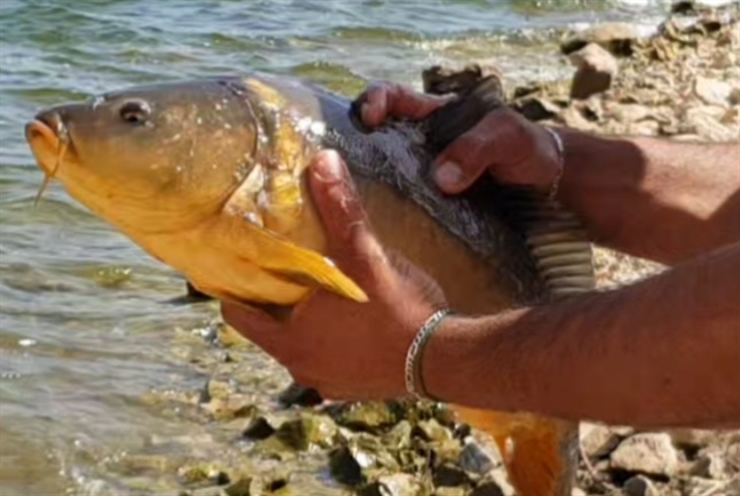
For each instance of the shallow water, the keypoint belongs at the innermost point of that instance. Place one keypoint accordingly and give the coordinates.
(86, 329)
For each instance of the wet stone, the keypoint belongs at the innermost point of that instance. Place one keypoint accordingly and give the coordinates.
(259, 429)
(232, 407)
(448, 475)
(367, 416)
(344, 466)
(450, 491)
(215, 389)
(308, 430)
(474, 460)
(242, 487)
(297, 395)
(488, 489)
(431, 430)
(399, 437)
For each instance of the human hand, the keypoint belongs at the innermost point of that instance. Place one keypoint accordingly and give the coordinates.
(513, 149)
(347, 350)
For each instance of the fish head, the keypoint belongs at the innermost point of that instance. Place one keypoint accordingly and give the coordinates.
(207, 176)
(149, 158)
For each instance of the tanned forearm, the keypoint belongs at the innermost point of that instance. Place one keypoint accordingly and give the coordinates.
(662, 352)
(653, 198)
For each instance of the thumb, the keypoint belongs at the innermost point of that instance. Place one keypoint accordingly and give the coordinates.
(351, 239)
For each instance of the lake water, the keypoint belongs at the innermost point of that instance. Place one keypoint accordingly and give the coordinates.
(85, 329)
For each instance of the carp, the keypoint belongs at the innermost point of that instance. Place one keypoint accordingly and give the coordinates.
(207, 176)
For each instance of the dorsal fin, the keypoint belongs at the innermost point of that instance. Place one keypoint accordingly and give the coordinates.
(460, 115)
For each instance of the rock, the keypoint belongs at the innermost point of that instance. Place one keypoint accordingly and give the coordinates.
(598, 440)
(195, 475)
(431, 430)
(572, 117)
(490, 488)
(359, 458)
(215, 389)
(616, 37)
(232, 407)
(536, 109)
(733, 456)
(239, 488)
(596, 68)
(713, 91)
(297, 395)
(734, 97)
(440, 80)
(308, 430)
(258, 429)
(711, 466)
(394, 485)
(639, 486)
(344, 467)
(691, 438)
(702, 121)
(365, 416)
(448, 475)
(629, 112)
(450, 491)
(474, 460)
(399, 437)
(649, 453)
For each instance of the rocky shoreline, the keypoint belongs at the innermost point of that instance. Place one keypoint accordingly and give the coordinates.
(682, 83)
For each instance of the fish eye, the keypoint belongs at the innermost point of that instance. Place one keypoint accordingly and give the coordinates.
(135, 112)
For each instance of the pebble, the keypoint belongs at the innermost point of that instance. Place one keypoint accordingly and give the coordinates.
(598, 440)
(712, 91)
(639, 486)
(711, 465)
(649, 453)
(596, 70)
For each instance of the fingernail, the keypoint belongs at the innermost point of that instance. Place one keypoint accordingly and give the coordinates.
(328, 166)
(448, 174)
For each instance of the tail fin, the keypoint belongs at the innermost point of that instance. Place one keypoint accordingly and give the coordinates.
(540, 454)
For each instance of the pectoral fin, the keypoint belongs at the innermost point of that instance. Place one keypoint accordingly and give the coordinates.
(291, 262)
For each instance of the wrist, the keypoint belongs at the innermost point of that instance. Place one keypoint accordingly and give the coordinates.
(448, 354)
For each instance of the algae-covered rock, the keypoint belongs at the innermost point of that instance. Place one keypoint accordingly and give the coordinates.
(367, 416)
(396, 485)
(431, 430)
(258, 429)
(232, 407)
(242, 487)
(308, 430)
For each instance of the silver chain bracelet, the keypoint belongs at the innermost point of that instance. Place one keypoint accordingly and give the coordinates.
(414, 384)
(561, 162)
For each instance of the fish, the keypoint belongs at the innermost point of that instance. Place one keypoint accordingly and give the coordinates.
(208, 177)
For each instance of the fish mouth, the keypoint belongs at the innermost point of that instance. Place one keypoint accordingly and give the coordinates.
(49, 140)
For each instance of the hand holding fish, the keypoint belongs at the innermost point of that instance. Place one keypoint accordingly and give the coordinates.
(344, 349)
(505, 143)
